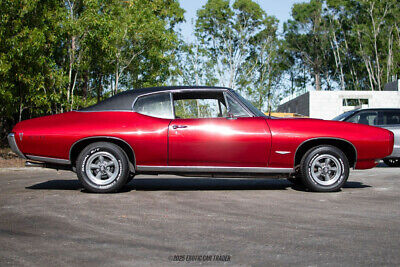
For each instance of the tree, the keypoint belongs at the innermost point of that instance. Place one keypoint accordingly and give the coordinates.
(191, 66)
(349, 45)
(306, 35)
(29, 74)
(240, 42)
(58, 56)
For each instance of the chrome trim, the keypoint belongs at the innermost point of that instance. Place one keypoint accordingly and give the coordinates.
(14, 146)
(49, 160)
(282, 152)
(105, 137)
(225, 91)
(178, 91)
(210, 169)
(330, 138)
(171, 98)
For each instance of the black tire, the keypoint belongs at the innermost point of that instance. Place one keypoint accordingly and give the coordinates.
(393, 162)
(324, 169)
(130, 178)
(296, 180)
(102, 167)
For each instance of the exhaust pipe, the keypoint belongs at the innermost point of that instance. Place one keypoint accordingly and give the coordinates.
(34, 164)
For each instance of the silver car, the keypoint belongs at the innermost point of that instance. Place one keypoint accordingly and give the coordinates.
(388, 118)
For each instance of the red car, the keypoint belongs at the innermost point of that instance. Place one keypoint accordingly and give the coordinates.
(195, 130)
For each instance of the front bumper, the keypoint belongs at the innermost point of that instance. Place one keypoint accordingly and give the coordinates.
(14, 146)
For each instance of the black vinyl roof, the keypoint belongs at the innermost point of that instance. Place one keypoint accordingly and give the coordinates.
(124, 100)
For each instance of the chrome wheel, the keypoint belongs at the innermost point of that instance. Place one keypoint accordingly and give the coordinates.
(102, 168)
(325, 169)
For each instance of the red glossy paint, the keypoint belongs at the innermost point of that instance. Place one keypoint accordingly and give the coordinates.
(371, 143)
(239, 142)
(242, 142)
(53, 136)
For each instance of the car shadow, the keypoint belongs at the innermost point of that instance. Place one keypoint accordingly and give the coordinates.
(176, 184)
(353, 184)
(189, 184)
(57, 185)
(193, 184)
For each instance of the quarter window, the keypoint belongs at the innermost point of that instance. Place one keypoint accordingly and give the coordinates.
(155, 105)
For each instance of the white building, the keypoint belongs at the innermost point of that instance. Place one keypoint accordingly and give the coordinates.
(329, 104)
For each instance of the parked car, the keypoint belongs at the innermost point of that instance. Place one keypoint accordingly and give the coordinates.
(388, 118)
(195, 131)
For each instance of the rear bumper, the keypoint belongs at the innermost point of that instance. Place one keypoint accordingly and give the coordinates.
(14, 146)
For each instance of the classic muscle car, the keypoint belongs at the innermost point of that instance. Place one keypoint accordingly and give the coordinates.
(195, 131)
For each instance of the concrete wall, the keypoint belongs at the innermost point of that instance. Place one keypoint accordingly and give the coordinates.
(329, 104)
(300, 105)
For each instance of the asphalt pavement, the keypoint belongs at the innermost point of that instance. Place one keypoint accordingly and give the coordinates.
(47, 219)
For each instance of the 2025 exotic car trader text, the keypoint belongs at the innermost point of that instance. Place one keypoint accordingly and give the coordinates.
(195, 131)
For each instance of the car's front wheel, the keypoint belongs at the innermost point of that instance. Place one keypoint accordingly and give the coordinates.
(324, 169)
(102, 167)
(393, 162)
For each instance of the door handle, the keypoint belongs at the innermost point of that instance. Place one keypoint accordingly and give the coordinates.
(178, 126)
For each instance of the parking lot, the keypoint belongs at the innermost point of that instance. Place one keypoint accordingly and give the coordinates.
(47, 218)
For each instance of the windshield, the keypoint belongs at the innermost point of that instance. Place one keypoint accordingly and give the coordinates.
(250, 106)
(344, 116)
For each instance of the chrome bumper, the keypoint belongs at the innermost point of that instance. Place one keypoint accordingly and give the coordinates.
(13, 145)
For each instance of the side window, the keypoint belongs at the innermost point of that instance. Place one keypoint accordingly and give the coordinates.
(366, 117)
(155, 105)
(235, 108)
(190, 105)
(390, 117)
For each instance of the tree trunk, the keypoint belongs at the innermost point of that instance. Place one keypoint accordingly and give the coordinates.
(100, 88)
(71, 65)
(85, 85)
(20, 110)
(317, 80)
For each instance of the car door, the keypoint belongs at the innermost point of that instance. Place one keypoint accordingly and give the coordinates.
(211, 128)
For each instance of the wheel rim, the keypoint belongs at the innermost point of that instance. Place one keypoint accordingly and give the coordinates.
(326, 169)
(102, 168)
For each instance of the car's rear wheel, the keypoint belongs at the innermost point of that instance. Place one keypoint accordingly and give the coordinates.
(393, 162)
(296, 179)
(102, 167)
(324, 169)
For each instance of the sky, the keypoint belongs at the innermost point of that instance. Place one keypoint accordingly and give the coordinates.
(281, 9)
